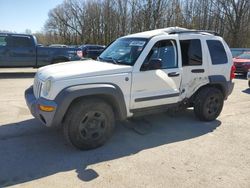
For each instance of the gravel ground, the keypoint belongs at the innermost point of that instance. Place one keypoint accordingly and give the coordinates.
(173, 151)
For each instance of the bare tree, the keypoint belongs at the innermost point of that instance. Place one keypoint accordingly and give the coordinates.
(95, 21)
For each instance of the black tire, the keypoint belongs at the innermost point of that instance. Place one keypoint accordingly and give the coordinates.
(89, 123)
(208, 104)
(248, 83)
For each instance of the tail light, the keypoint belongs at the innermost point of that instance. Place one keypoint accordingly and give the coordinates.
(79, 53)
(232, 74)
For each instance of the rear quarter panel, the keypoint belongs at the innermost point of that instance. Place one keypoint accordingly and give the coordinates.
(220, 69)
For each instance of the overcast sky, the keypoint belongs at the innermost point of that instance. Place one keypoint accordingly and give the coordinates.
(19, 15)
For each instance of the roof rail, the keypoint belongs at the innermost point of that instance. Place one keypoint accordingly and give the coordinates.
(194, 31)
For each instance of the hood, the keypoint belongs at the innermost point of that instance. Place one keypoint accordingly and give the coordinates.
(236, 60)
(74, 69)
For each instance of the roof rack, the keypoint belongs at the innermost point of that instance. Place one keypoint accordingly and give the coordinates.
(194, 31)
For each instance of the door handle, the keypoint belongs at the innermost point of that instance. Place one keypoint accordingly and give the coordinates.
(173, 74)
(197, 70)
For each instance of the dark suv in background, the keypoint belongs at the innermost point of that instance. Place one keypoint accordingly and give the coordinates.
(91, 51)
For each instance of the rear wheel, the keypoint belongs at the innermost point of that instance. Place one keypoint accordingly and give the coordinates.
(208, 104)
(89, 123)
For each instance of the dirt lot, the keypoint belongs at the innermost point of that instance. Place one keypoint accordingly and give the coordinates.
(175, 151)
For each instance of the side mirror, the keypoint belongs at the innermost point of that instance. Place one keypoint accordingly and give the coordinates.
(152, 64)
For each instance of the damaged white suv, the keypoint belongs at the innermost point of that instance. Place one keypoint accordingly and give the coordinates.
(137, 74)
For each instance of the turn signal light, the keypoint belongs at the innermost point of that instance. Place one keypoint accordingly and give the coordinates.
(46, 108)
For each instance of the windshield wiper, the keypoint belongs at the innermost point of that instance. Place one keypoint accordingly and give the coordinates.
(114, 61)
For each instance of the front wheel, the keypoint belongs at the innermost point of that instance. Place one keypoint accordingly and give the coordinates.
(89, 123)
(208, 104)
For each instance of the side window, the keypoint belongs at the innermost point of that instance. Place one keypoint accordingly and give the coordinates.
(191, 52)
(100, 48)
(3, 40)
(217, 52)
(164, 52)
(20, 42)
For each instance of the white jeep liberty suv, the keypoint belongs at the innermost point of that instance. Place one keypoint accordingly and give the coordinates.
(136, 74)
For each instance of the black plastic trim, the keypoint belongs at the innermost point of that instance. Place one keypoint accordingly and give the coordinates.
(173, 74)
(153, 109)
(157, 97)
(68, 95)
(227, 86)
(195, 31)
(197, 70)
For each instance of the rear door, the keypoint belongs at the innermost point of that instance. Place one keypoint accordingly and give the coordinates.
(21, 51)
(194, 63)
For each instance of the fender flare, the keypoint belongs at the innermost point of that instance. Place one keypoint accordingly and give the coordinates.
(226, 86)
(109, 92)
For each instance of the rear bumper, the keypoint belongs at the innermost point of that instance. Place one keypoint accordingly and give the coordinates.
(229, 86)
(248, 75)
(46, 118)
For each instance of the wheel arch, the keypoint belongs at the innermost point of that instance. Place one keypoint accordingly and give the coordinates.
(218, 82)
(111, 94)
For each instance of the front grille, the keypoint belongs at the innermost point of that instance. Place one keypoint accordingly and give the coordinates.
(37, 87)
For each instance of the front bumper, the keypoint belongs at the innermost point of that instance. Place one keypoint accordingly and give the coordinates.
(46, 118)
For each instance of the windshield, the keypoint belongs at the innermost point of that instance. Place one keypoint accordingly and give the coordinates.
(124, 51)
(244, 56)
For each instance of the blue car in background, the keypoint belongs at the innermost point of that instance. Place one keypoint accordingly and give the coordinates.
(21, 50)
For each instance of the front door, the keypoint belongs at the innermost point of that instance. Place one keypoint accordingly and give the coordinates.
(157, 82)
(21, 51)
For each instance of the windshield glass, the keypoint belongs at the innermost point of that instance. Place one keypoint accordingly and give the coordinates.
(124, 51)
(244, 56)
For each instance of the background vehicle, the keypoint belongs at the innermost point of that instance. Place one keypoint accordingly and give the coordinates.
(91, 51)
(248, 77)
(21, 50)
(237, 51)
(242, 63)
(136, 75)
(58, 45)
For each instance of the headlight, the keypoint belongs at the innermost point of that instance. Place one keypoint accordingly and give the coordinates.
(46, 87)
